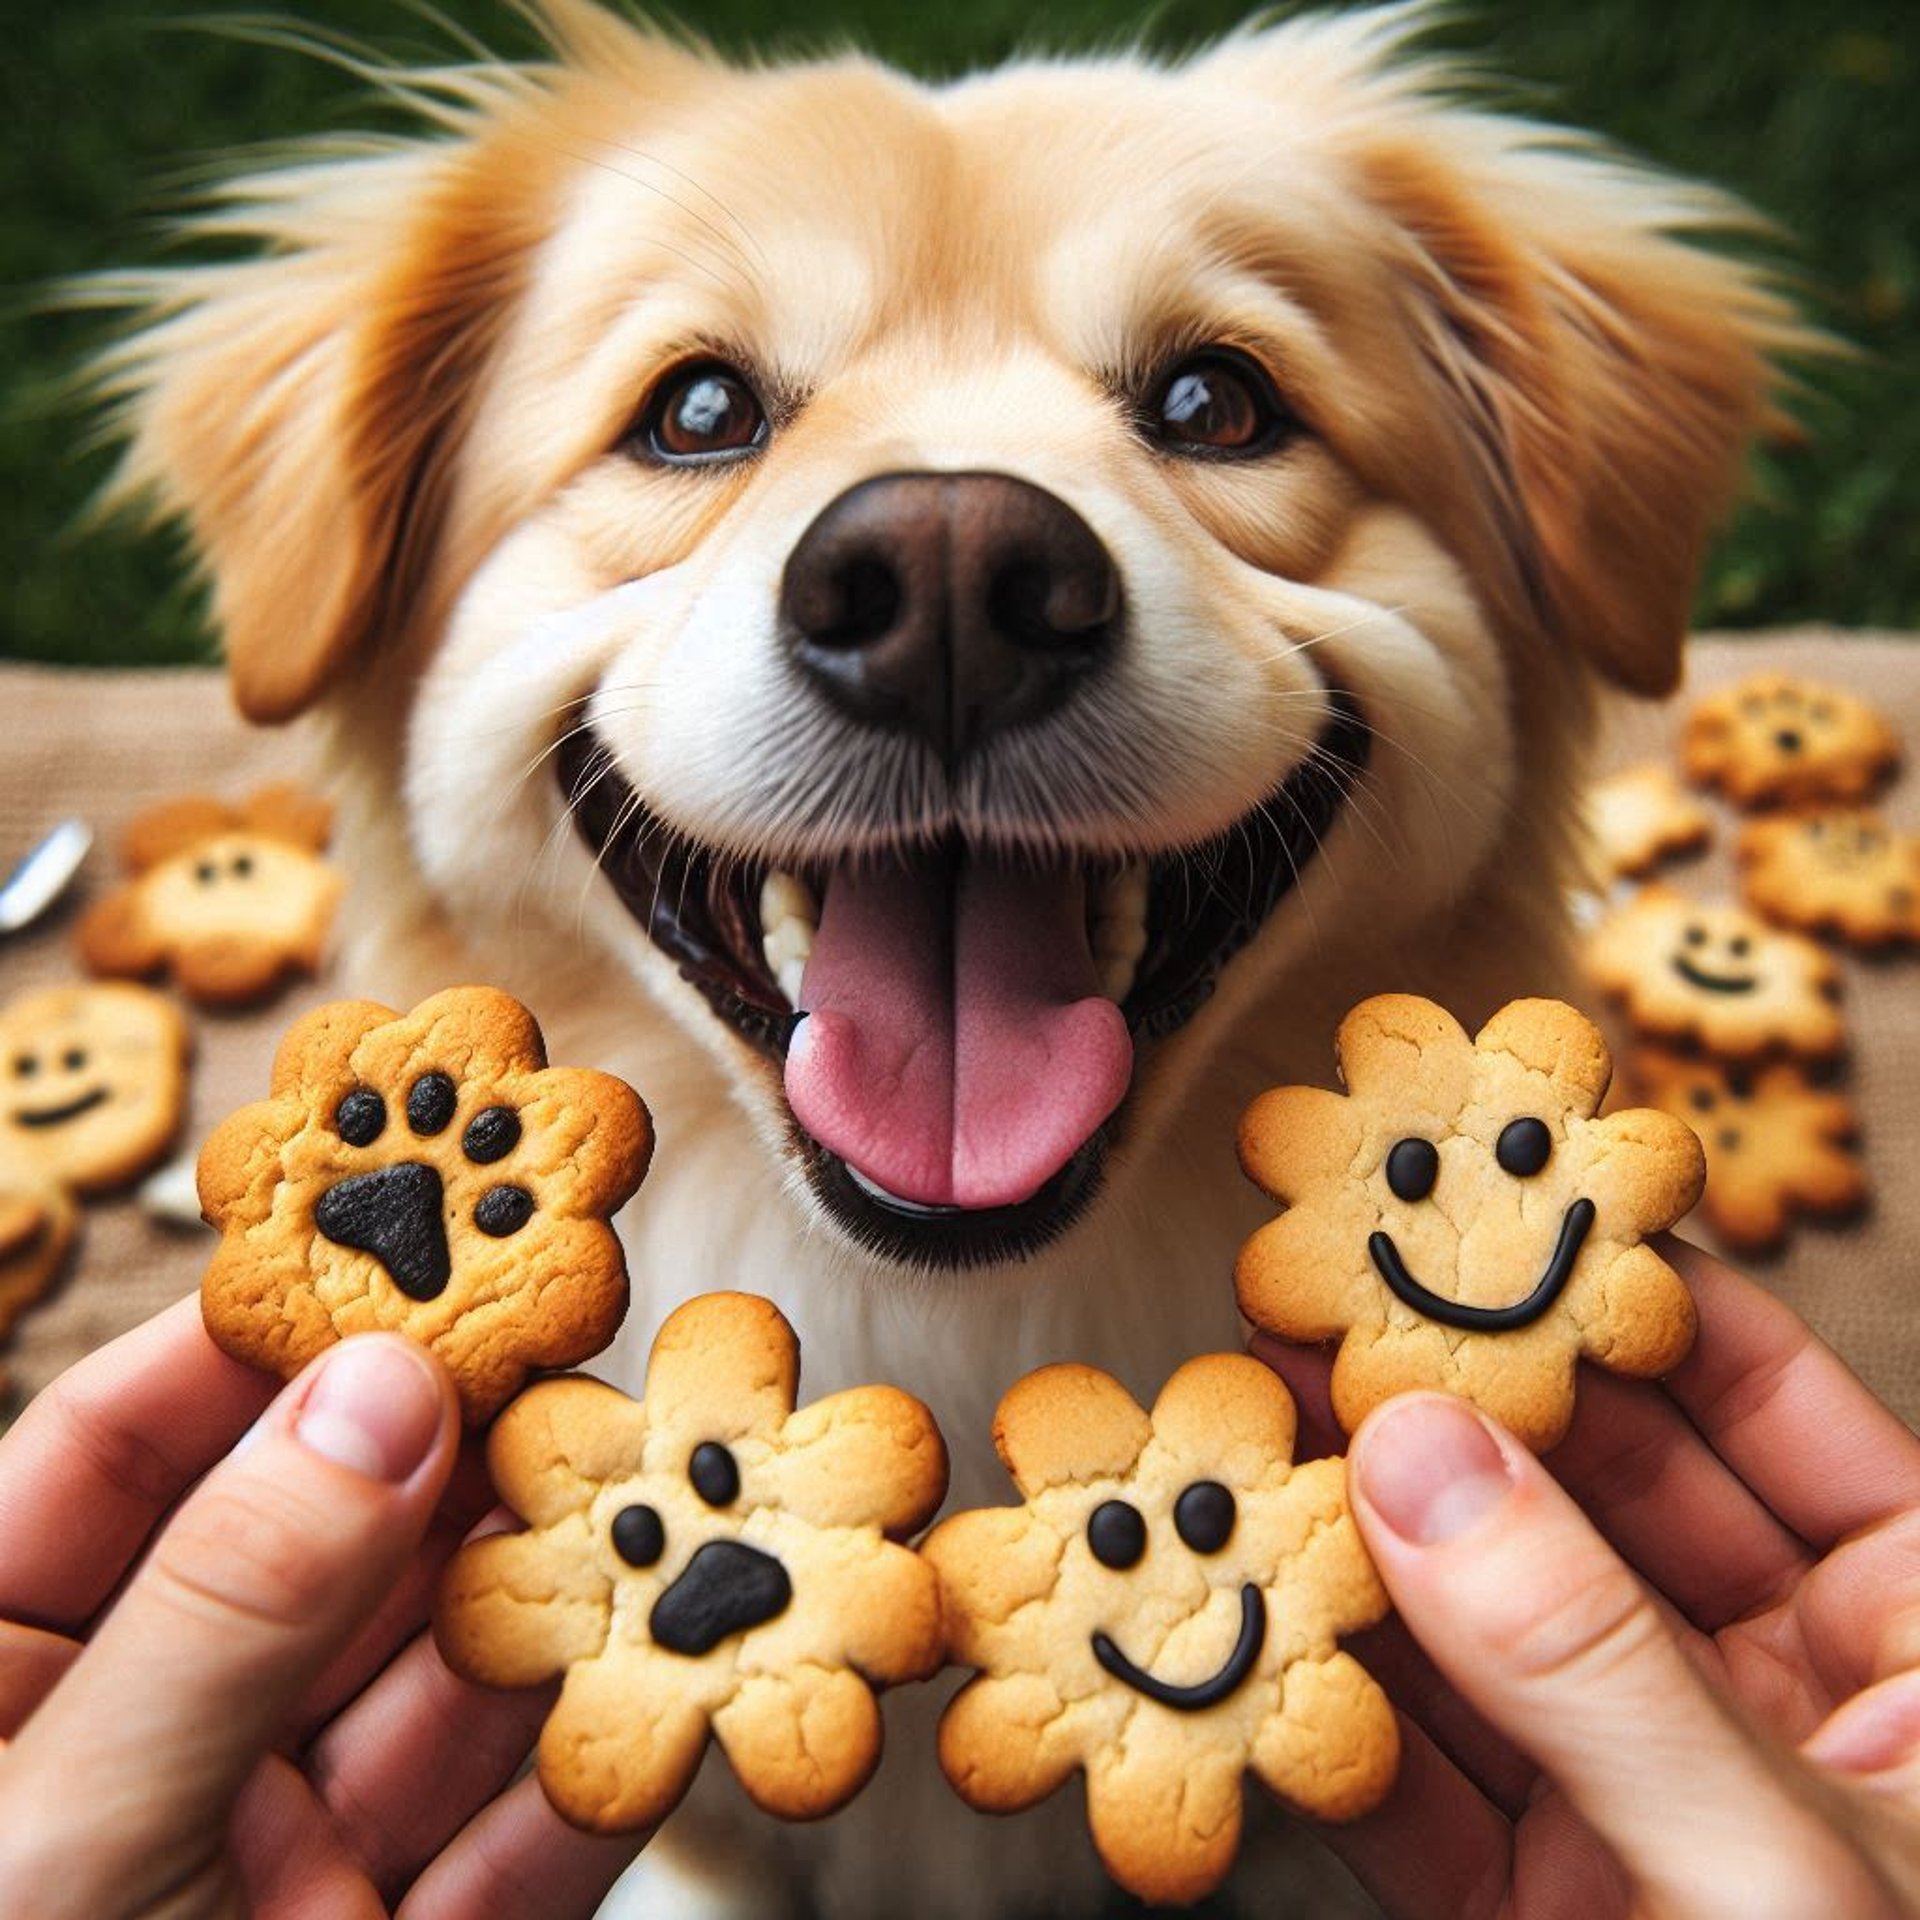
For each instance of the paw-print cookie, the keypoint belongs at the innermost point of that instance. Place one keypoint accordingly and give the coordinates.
(1841, 871)
(1643, 817)
(1777, 740)
(37, 1221)
(1717, 976)
(231, 899)
(93, 1083)
(704, 1561)
(1162, 1613)
(1460, 1219)
(430, 1174)
(1776, 1144)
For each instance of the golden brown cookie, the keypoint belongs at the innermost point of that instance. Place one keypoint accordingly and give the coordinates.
(37, 1221)
(704, 1561)
(1460, 1219)
(1162, 1614)
(1776, 1145)
(1842, 871)
(1642, 817)
(1717, 976)
(1775, 739)
(427, 1173)
(232, 899)
(93, 1082)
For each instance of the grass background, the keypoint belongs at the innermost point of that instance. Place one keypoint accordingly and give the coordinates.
(1810, 117)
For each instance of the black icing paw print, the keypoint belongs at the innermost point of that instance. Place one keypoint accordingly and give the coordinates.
(399, 1212)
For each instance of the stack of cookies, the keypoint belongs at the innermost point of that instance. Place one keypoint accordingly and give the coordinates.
(1737, 1008)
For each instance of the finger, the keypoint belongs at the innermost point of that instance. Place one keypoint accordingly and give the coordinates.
(1874, 1740)
(1785, 1411)
(1670, 1506)
(265, 1571)
(1546, 1631)
(416, 1757)
(31, 1662)
(518, 1860)
(287, 1857)
(115, 1441)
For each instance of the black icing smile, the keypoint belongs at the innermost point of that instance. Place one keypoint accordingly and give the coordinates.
(59, 1116)
(1205, 1693)
(1713, 982)
(1575, 1225)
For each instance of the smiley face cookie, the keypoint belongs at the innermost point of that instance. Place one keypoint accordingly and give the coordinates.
(427, 1173)
(1460, 1219)
(1776, 1144)
(1777, 740)
(1717, 976)
(231, 899)
(37, 1222)
(93, 1083)
(705, 1561)
(1162, 1614)
(1841, 871)
(1642, 817)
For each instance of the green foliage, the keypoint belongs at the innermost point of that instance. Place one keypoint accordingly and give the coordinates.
(112, 103)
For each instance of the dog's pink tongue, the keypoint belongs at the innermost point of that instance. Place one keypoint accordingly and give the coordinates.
(957, 1049)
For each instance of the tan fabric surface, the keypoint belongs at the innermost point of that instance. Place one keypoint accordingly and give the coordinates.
(106, 744)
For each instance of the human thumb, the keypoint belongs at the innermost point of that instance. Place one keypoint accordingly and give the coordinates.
(263, 1574)
(1542, 1628)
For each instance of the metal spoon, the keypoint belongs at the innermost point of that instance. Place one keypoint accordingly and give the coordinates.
(44, 875)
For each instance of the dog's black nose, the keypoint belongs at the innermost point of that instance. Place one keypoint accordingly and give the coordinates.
(392, 1213)
(949, 605)
(724, 1589)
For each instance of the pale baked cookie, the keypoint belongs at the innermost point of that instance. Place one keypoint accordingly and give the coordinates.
(1841, 871)
(1717, 976)
(1775, 739)
(704, 1561)
(1162, 1614)
(37, 1220)
(232, 899)
(430, 1174)
(1642, 817)
(1460, 1219)
(93, 1082)
(1776, 1145)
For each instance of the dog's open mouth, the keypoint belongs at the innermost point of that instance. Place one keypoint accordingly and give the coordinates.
(957, 1028)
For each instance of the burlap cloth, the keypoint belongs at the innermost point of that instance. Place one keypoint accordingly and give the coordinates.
(103, 745)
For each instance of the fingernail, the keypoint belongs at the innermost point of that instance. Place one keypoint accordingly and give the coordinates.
(1430, 1469)
(375, 1408)
(1876, 1731)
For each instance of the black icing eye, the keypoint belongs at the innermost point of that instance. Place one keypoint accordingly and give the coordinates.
(503, 1210)
(26, 1065)
(206, 873)
(638, 1537)
(491, 1135)
(361, 1117)
(1117, 1535)
(1203, 1516)
(1412, 1168)
(1788, 740)
(703, 413)
(1729, 1139)
(1523, 1147)
(1740, 946)
(1701, 1099)
(715, 1474)
(242, 865)
(74, 1059)
(1217, 403)
(1696, 935)
(1740, 1085)
(430, 1103)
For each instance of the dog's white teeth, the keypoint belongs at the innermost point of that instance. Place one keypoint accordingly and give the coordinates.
(1120, 930)
(789, 918)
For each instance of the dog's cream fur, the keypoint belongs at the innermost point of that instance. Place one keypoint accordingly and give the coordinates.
(1526, 391)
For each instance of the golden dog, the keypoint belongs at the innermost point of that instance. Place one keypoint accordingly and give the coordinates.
(947, 633)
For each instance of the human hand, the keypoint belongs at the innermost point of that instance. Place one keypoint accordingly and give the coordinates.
(1675, 1669)
(234, 1709)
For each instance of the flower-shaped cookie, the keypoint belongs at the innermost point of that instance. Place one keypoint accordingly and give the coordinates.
(1162, 1614)
(1460, 1219)
(1717, 975)
(704, 1560)
(233, 899)
(1841, 871)
(1777, 740)
(1642, 817)
(93, 1083)
(1776, 1145)
(430, 1174)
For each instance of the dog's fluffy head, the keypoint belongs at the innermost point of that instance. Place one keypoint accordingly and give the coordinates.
(1396, 422)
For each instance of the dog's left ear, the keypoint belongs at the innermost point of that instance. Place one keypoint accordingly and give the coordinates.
(1607, 371)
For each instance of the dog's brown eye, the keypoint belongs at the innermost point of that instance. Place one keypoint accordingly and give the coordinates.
(1217, 402)
(704, 413)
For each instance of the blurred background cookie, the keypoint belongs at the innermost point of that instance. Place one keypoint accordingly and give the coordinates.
(1642, 817)
(1775, 739)
(1841, 871)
